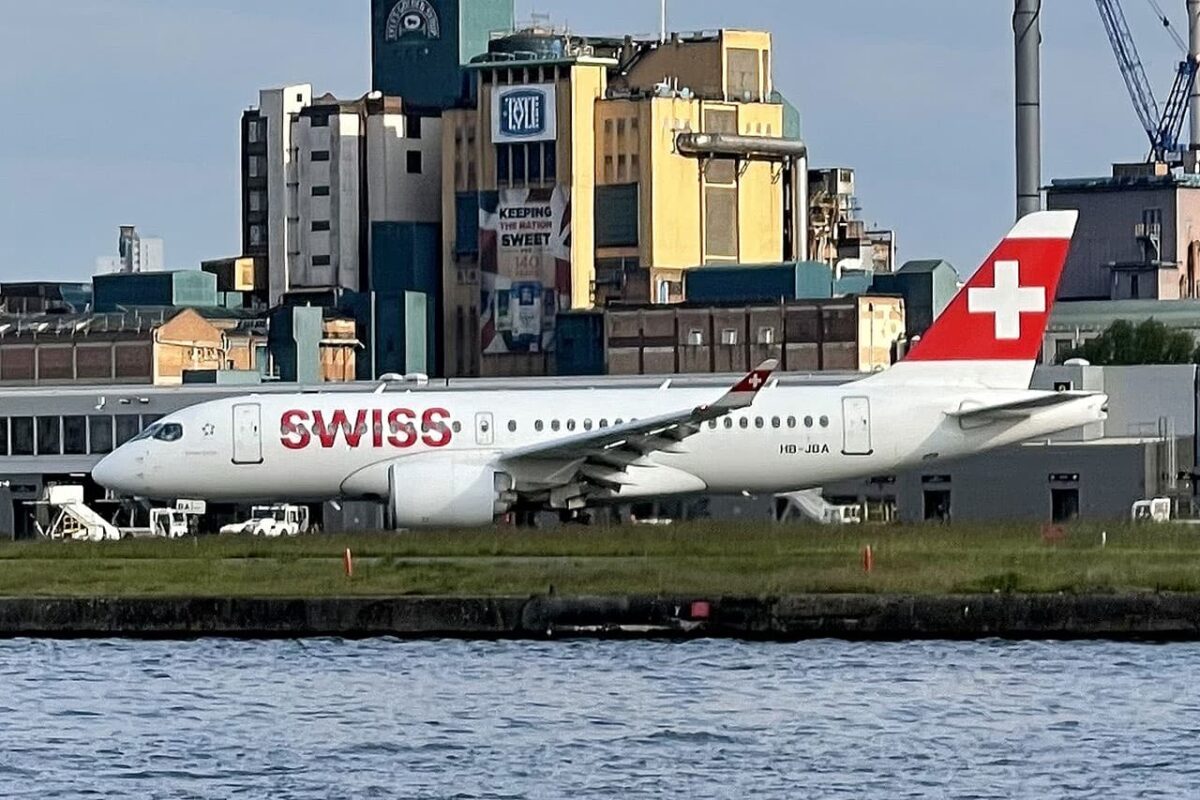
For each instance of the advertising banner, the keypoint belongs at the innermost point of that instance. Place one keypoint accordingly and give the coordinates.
(524, 267)
(524, 113)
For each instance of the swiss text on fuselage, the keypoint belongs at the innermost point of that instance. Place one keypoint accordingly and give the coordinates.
(397, 428)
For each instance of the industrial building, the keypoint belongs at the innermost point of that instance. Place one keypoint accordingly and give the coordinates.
(851, 334)
(577, 176)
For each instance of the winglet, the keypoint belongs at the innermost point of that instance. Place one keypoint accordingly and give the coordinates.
(744, 391)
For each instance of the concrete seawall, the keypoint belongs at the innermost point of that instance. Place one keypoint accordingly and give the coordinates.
(881, 617)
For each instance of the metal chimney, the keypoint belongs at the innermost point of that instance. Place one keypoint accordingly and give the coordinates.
(1193, 15)
(1027, 41)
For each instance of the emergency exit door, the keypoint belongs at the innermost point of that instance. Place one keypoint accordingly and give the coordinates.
(856, 426)
(484, 435)
(247, 434)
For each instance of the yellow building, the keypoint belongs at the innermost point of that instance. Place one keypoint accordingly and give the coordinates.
(594, 171)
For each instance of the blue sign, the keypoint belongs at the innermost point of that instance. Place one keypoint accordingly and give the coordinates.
(523, 113)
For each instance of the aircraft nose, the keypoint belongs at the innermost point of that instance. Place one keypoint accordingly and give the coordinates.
(113, 472)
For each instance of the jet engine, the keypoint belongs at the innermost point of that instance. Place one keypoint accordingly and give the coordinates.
(432, 492)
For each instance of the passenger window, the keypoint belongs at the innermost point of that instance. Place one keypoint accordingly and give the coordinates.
(618, 422)
(603, 423)
(744, 422)
(512, 426)
(758, 422)
(824, 422)
(553, 424)
(587, 424)
(728, 422)
(774, 422)
(808, 422)
(538, 425)
(570, 424)
(456, 426)
(791, 422)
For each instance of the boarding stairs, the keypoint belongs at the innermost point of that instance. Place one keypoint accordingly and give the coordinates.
(71, 518)
(811, 506)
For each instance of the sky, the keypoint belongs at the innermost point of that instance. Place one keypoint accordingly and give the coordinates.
(127, 111)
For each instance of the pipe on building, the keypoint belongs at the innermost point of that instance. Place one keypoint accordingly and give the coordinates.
(731, 145)
(792, 152)
(1193, 15)
(1027, 41)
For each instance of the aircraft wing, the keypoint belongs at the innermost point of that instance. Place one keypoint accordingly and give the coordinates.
(602, 455)
(1014, 409)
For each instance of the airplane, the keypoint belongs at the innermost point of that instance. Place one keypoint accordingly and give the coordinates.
(464, 458)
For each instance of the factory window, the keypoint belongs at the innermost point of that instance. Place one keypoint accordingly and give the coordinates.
(256, 167)
(254, 132)
(320, 155)
(766, 335)
(503, 169)
(720, 120)
(319, 121)
(320, 191)
(722, 171)
(743, 77)
(100, 433)
(413, 162)
(695, 337)
(549, 161)
(609, 177)
(720, 222)
(127, 427)
(412, 126)
(74, 435)
(617, 212)
(535, 163)
(257, 200)
(729, 336)
(518, 163)
(21, 437)
(3, 436)
(49, 436)
(256, 235)
(321, 261)
(320, 225)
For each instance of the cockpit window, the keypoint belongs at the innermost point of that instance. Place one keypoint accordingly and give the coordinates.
(169, 432)
(148, 432)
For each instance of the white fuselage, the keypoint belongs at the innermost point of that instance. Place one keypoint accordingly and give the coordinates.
(313, 446)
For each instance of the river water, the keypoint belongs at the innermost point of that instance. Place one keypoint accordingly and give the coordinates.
(588, 719)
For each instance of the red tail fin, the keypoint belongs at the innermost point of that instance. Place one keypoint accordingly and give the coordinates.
(1001, 313)
(999, 317)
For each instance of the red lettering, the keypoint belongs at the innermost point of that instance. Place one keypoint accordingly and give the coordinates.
(377, 427)
(294, 436)
(407, 432)
(436, 433)
(340, 422)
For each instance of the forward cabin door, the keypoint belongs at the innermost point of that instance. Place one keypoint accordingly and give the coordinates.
(484, 433)
(247, 434)
(856, 426)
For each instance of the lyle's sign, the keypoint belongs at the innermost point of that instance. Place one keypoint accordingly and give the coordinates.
(524, 113)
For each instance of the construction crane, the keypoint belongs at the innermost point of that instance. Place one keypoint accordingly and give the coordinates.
(1162, 127)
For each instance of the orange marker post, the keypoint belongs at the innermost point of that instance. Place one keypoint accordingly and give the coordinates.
(348, 563)
(868, 559)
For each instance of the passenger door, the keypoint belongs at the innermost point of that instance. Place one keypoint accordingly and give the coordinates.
(485, 436)
(247, 434)
(856, 426)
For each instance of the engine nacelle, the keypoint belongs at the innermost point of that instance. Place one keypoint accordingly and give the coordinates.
(435, 492)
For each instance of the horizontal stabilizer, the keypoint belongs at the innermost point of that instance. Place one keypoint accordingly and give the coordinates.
(1014, 409)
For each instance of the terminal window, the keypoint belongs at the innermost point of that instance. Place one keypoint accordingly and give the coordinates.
(3, 436)
(74, 435)
(100, 432)
(49, 436)
(127, 427)
(21, 436)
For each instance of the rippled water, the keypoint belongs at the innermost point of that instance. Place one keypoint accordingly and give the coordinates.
(383, 718)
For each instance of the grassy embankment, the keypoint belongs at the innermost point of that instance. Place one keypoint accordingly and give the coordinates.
(702, 559)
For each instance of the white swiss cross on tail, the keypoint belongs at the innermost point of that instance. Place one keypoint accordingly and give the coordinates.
(1006, 299)
(991, 331)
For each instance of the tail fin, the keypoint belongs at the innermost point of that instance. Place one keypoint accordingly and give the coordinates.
(991, 332)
